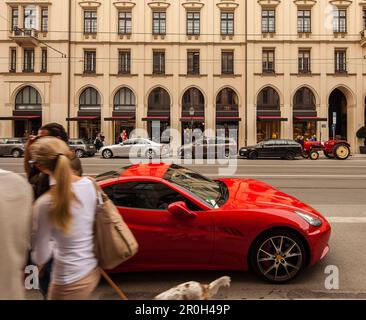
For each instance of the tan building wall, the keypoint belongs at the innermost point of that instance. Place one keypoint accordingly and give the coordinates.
(53, 86)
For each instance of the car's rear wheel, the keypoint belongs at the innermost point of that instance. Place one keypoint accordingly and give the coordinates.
(79, 153)
(107, 154)
(342, 152)
(16, 153)
(278, 256)
(253, 155)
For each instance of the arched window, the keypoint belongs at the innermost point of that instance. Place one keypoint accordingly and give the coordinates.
(304, 100)
(28, 99)
(227, 103)
(124, 100)
(90, 100)
(268, 100)
(193, 100)
(159, 102)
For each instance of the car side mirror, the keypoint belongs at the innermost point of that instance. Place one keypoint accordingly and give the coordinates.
(180, 209)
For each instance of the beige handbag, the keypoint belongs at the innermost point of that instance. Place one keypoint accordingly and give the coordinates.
(114, 241)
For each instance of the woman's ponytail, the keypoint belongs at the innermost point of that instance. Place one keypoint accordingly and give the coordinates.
(62, 194)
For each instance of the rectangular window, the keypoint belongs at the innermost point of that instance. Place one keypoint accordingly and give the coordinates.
(193, 62)
(193, 23)
(340, 20)
(125, 22)
(159, 23)
(44, 62)
(44, 20)
(13, 60)
(268, 21)
(340, 61)
(227, 23)
(158, 62)
(90, 61)
(304, 61)
(28, 64)
(364, 19)
(304, 21)
(124, 62)
(268, 61)
(227, 62)
(14, 18)
(90, 22)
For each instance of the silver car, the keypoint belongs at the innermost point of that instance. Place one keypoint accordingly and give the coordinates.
(136, 148)
(12, 147)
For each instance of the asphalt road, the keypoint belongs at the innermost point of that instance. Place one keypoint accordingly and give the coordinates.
(335, 188)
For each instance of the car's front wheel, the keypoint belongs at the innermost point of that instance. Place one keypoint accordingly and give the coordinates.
(253, 155)
(278, 256)
(107, 154)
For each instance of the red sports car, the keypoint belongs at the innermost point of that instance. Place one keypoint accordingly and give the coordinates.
(185, 221)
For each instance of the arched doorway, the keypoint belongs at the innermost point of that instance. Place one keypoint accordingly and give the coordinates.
(27, 112)
(227, 114)
(89, 114)
(337, 115)
(268, 115)
(124, 113)
(193, 115)
(305, 114)
(158, 115)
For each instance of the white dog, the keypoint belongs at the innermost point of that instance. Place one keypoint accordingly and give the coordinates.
(194, 290)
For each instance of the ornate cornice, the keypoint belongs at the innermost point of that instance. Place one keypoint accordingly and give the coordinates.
(124, 5)
(162, 4)
(341, 3)
(227, 5)
(193, 5)
(305, 3)
(269, 3)
(90, 4)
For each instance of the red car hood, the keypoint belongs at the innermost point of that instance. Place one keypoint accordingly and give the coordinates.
(252, 194)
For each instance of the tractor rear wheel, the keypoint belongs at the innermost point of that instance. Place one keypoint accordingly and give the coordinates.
(342, 152)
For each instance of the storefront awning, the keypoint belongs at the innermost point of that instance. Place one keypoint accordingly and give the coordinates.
(119, 118)
(188, 119)
(20, 118)
(228, 119)
(310, 118)
(80, 118)
(272, 118)
(156, 118)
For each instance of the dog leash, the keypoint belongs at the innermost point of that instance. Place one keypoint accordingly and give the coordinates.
(113, 284)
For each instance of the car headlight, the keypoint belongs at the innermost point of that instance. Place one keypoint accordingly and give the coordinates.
(244, 150)
(315, 222)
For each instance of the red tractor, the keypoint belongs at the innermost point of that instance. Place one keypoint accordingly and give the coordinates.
(332, 149)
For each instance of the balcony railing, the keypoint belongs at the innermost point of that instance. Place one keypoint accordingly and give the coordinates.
(25, 37)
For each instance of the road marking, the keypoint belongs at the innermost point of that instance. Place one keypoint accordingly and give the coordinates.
(346, 219)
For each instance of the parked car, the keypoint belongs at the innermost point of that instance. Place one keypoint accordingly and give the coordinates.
(136, 148)
(281, 148)
(82, 148)
(12, 147)
(185, 221)
(211, 148)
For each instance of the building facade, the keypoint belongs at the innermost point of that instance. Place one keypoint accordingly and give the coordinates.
(265, 68)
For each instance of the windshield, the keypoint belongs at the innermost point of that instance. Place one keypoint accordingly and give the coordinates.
(213, 193)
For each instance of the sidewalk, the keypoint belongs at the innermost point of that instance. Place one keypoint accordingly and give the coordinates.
(358, 156)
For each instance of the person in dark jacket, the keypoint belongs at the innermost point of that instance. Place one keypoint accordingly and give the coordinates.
(41, 184)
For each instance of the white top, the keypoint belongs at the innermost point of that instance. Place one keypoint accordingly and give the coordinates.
(73, 253)
(16, 197)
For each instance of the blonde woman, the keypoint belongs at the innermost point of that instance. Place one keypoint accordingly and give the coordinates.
(66, 216)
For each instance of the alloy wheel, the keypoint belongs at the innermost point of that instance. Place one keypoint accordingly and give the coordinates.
(279, 258)
(107, 154)
(79, 153)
